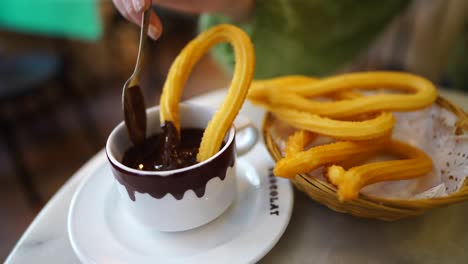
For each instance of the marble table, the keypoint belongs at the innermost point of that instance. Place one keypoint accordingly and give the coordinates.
(314, 235)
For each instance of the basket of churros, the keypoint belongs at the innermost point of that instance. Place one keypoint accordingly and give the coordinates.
(380, 145)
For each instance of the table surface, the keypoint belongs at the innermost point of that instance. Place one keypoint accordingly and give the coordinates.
(315, 233)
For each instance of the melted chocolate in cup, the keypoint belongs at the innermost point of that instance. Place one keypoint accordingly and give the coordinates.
(165, 151)
(150, 156)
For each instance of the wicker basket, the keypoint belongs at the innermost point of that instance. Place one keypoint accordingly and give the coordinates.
(370, 206)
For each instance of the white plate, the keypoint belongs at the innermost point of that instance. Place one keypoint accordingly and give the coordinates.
(100, 231)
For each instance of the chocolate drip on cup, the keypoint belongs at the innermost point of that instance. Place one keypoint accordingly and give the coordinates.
(194, 178)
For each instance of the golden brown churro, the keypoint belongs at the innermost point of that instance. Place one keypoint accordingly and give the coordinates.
(297, 142)
(297, 94)
(377, 127)
(350, 182)
(180, 71)
(306, 161)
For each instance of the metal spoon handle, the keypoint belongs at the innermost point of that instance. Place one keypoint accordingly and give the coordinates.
(144, 30)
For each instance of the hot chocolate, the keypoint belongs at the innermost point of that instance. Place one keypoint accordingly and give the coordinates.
(165, 151)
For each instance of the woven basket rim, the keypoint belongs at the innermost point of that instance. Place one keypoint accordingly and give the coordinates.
(402, 204)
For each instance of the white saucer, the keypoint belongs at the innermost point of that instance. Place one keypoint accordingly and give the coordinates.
(101, 232)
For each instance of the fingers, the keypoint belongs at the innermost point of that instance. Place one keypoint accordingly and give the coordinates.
(155, 27)
(140, 5)
(227, 7)
(133, 10)
(189, 6)
(126, 8)
(121, 7)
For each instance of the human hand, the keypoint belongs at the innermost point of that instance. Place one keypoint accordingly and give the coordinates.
(133, 9)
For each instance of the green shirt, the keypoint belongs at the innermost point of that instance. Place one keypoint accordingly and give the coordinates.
(309, 37)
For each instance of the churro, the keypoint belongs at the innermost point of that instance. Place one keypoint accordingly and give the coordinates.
(242, 77)
(349, 182)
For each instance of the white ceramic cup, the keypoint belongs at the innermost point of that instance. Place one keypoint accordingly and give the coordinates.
(185, 198)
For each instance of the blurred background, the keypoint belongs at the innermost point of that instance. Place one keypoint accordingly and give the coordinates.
(63, 64)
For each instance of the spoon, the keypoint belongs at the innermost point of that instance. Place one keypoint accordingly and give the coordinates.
(132, 97)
